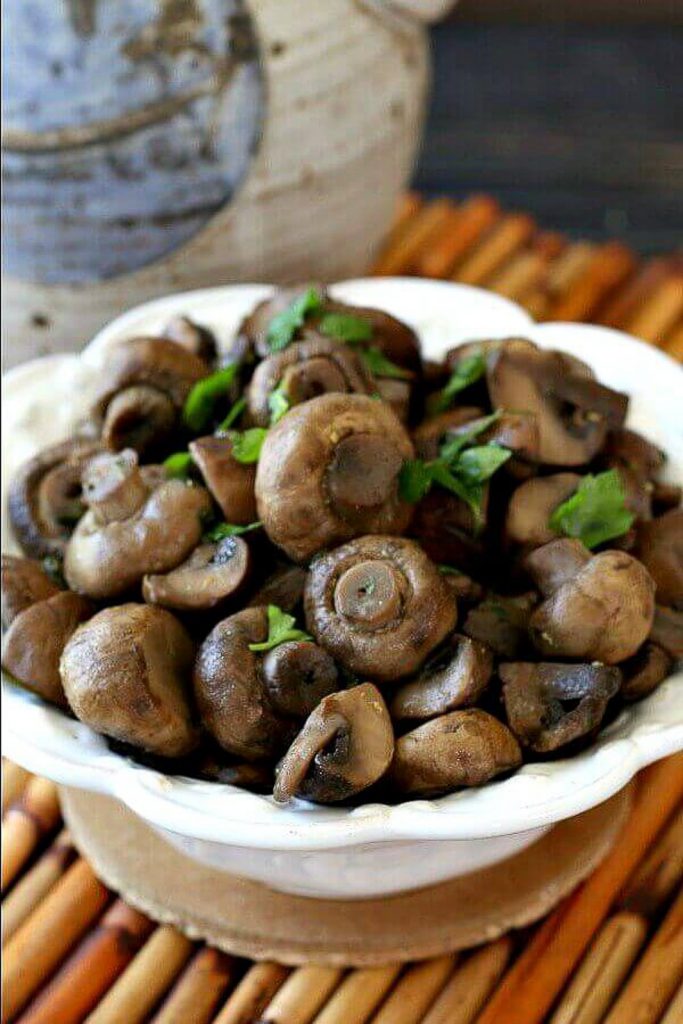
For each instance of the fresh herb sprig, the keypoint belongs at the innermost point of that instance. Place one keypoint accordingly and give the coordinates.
(284, 325)
(345, 327)
(202, 399)
(467, 372)
(178, 465)
(278, 403)
(596, 512)
(236, 411)
(247, 444)
(281, 629)
(222, 530)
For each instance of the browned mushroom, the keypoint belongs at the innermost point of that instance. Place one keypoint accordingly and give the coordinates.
(285, 588)
(107, 555)
(501, 623)
(298, 674)
(455, 677)
(551, 705)
(660, 548)
(429, 436)
(44, 499)
(305, 370)
(379, 606)
(629, 450)
(329, 471)
(23, 583)
(231, 482)
(644, 671)
(556, 563)
(531, 506)
(146, 383)
(198, 340)
(665, 497)
(213, 574)
(394, 338)
(448, 530)
(126, 672)
(602, 613)
(33, 644)
(573, 411)
(345, 745)
(667, 630)
(462, 748)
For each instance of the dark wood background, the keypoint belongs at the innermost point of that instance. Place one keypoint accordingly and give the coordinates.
(581, 124)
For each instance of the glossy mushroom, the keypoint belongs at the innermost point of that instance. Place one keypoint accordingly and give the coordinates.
(211, 576)
(126, 673)
(659, 547)
(345, 745)
(456, 677)
(556, 563)
(501, 623)
(379, 606)
(550, 705)
(462, 748)
(603, 612)
(667, 630)
(284, 588)
(231, 482)
(198, 340)
(531, 506)
(329, 471)
(44, 499)
(24, 582)
(644, 671)
(157, 529)
(298, 675)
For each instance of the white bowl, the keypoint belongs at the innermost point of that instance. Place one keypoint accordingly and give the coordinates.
(374, 849)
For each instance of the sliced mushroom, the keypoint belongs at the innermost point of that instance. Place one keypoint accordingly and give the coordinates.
(463, 748)
(298, 674)
(198, 340)
(345, 745)
(212, 575)
(573, 411)
(531, 506)
(603, 613)
(107, 557)
(667, 630)
(644, 671)
(285, 588)
(44, 498)
(125, 674)
(556, 563)
(23, 583)
(660, 548)
(456, 677)
(501, 623)
(231, 482)
(379, 606)
(33, 644)
(230, 691)
(329, 471)
(305, 370)
(551, 705)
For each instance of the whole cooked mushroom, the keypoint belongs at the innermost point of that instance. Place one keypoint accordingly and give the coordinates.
(329, 471)
(667, 630)
(501, 623)
(126, 673)
(298, 675)
(44, 499)
(305, 370)
(24, 582)
(531, 506)
(284, 588)
(231, 482)
(379, 606)
(131, 531)
(198, 340)
(345, 745)
(629, 450)
(456, 677)
(146, 382)
(550, 705)
(212, 575)
(602, 612)
(33, 644)
(556, 563)
(449, 531)
(572, 410)
(660, 548)
(462, 748)
(644, 671)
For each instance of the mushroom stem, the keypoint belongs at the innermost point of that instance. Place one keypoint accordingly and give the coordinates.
(318, 733)
(113, 486)
(370, 592)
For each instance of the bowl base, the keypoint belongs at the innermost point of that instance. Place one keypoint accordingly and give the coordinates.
(250, 920)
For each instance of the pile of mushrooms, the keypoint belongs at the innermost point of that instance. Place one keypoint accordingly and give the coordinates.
(318, 566)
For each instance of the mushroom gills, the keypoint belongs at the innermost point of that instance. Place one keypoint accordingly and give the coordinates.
(455, 678)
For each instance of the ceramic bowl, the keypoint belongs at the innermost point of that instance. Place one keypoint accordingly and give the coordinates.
(371, 850)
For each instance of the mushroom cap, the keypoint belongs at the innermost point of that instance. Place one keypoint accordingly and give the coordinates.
(462, 748)
(572, 410)
(108, 560)
(629, 450)
(455, 678)
(298, 674)
(152, 362)
(379, 606)
(285, 588)
(644, 671)
(446, 528)
(24, 583)
(501, 623)
(306, 370)
(667, 630)
(329, 471)
(231, 482)
(44, 499)
(139, 417)
(531, 506)
(125, 674)
(604, 613)
(230, 691)
(551, 705)
(660, 548)
(556, 563)
(345, 745)
(253, 331)
(212, 575)
(33, 644)
(198, 340)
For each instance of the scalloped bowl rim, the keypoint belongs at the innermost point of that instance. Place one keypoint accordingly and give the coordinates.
(50, 743)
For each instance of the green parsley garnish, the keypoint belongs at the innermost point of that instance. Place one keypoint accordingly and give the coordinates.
(345, 328)
(223, 530)
(200, 402)
(448, 570)
(284, 325)
(246, 446)
(237, 409)
(278, 403)
(280, 630)
(467, 372)
(378, 364)
(596, 512)
(178, 465)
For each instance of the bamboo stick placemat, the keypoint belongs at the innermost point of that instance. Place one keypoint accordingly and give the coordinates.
(612, 952)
